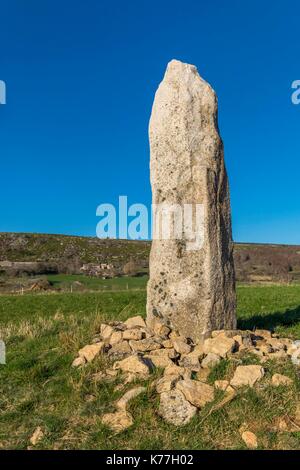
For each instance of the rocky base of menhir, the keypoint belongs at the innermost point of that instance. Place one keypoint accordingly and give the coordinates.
(136, 351)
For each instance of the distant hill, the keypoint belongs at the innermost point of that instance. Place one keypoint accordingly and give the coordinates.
(38, 253)
(43, 253)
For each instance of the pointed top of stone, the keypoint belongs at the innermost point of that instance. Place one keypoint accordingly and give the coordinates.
(181, 67)
(188, 74)
(183, 84)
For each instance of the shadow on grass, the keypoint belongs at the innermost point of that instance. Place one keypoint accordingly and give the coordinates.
(271, 320)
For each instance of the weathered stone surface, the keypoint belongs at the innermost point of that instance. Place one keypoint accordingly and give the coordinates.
(197, 393)
(203, 374)
(79, 361)
(220, 345)
(118, 325)
(224, 385)
(167, 343)
(227, 333)
(216, 333)
(287, 342)
(250, 439)
(96, 339)
(134, 322)
(279, 379)
(247, 375)
(190, 361)
(239, 341)
(191, 287)
(173, 369)
(124, 400)
(175, 409)
(147, 344)
(210, 360)
(295, 357)
(106, 331)
(181, 347)
(266, 349)
(199, 350)
(221, 384)
(246, 339)
(116, 337)
(166, 383)
(133, 364)
(170, 353)
(118, 421)
(243, 338)
(257, 352)
(133, 334)
(120, 350)
(111, 372)
(36, 436)
(174, 335)
(159, 328)
(276, 344)
(263, 333)
(278, 355)
(293, 347)
(294, 352)
(159, 361)
(90, 351)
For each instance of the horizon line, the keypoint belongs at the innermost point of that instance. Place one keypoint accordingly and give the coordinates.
(140, 240)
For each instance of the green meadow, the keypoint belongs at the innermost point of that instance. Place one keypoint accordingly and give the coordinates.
(38, 387)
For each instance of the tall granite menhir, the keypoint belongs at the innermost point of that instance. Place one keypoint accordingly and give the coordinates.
(190, 290)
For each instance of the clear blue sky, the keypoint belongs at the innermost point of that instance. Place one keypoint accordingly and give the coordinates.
(81, 76)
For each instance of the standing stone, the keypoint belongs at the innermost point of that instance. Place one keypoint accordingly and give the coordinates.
(192, 284)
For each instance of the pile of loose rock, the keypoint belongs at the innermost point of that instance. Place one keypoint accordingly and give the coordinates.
(136, 351)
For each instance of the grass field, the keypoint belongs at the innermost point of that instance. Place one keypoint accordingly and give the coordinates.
(43, 333)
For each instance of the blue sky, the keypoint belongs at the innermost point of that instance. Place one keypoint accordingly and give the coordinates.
(81, 78)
